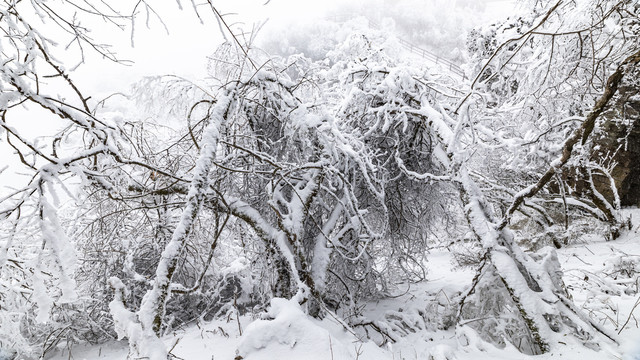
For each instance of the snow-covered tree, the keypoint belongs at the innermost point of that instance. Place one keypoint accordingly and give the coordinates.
(542, 87)
(327, 179)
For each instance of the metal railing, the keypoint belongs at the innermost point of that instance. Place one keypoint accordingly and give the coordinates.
(414, 49)
(427, 55)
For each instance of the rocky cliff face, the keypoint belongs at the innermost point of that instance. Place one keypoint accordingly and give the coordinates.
(627, 173)
(620, 135)
(616, 147)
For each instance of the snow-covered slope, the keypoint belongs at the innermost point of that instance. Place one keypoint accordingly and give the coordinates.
(601, 276)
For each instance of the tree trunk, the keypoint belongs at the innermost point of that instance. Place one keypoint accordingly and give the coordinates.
(513, 296)
(152, 308)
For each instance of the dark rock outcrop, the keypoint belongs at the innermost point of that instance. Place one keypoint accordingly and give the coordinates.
(619, 134)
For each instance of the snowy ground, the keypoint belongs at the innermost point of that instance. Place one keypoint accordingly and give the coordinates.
(596, 272)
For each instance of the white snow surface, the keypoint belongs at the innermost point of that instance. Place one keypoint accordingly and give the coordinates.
(293, 335)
